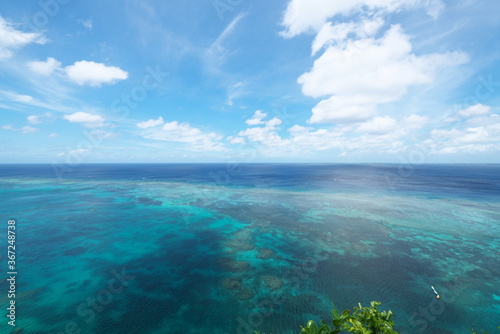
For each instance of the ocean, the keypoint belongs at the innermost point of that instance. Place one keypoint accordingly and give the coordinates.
(237, 248)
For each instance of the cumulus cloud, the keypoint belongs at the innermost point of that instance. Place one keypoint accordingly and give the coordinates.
(236, 140)
(378, 125)
(475, 110)
(256, 119)
(46, 67)
(379, 134)
(87, 119)
(360, 74)
(150, 123)
(310, 15)
(413, 121)
(338, 34)
(266, 134)
(343, 109)
(94, 74)
(480, 133)
(81, 72)
(361, 62)
(12, 39)
(183, 133)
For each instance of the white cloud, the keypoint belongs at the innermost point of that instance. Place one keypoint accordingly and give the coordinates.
(386, 125)
(256, 119)
(17, 97)
(481, 120)
(46, 67)
(464, 138)
(28, 129)
(80, 152)
(413, 122)
(475, 110)
(87, 119)
(377, 135)
(94, 74)
(304, 141)
(88, 24)
(185, 133)
(24, 129)
(33, 119)
(343, 109)
(266, 134)
(53, 135)
(378, 125)
(82, 117)
(37, 119)
(12, 39)
(310, 15)
(236, 140)
(360, 74)
(337, 34)
(479, 134)
(81, 72)
(150, 123)
(362, 63)
(274, 122)
(8, 127)
(470, 149)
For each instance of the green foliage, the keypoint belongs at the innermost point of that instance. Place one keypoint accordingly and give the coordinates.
(363, 320)
(482, 332)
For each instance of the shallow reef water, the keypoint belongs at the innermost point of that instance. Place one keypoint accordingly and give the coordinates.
(148, 249)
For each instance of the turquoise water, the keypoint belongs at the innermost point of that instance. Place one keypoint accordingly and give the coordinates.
(266, 249)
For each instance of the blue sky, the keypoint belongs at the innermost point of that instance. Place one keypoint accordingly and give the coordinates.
(413, 81)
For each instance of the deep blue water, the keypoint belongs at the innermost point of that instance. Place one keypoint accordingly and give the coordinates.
(465, 180)
(232, 248)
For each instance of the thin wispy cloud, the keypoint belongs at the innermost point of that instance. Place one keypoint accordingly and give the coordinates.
(217, 52)
(87, 24)
(12, 39)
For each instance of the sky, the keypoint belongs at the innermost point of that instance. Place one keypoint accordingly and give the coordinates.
(310, 81)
